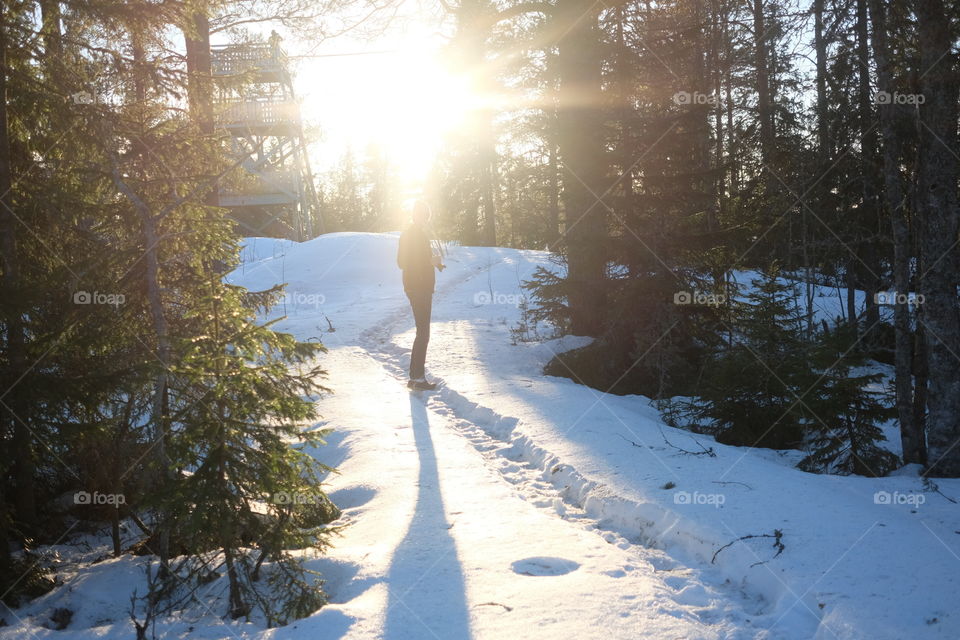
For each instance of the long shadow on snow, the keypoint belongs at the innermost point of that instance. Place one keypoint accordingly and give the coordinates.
(425, 581)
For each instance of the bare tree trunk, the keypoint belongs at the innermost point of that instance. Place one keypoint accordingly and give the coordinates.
(891, 123)
(720, 186)
(159, 414)
(868, 216)
(553, 162)
(937, 204)
(486, 156)
(470, 224)
(488, 182)
(625, 146)
(764, 100)
(196, 36)
(554, 195)
(15, 414)
(701, 183)
(921, 375)
(851, 280)
(733, 147)
(821, 190)
(582, 157)
(823, 126)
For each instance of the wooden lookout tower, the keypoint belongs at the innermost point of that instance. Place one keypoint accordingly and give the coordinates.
(274, 194)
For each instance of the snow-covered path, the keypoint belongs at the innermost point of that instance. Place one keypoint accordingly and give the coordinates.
(510, 504)
(450, 541)
(452, 535)
(504, 472)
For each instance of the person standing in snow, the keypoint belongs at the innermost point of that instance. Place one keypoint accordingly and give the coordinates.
(417, 261)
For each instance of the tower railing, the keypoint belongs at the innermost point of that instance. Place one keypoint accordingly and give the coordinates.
(258, 112)
(234, 59)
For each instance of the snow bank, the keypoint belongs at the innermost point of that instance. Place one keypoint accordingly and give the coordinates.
(852, 546)
(861, 558)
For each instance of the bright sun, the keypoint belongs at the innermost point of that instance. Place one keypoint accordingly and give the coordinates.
(404, 102)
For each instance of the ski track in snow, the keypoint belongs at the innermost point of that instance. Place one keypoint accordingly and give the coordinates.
(549, 484)
(495, 516)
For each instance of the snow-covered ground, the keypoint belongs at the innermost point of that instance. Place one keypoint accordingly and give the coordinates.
(509, 504)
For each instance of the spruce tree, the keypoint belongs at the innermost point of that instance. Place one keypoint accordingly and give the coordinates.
(751, 388)
(247, 488)
(773, 384)
(844, 432)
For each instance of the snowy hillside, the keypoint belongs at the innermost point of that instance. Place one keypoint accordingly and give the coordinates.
(509, 504)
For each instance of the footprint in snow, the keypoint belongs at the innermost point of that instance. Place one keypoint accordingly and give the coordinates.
(619, 573)
(544, 566)
(350, 497)
(662, 562)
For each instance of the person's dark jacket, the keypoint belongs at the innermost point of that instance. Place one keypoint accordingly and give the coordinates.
(414, 257)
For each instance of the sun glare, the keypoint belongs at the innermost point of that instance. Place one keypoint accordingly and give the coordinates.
(405, 103)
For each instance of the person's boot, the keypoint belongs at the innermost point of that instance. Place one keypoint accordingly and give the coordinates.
(421, 384)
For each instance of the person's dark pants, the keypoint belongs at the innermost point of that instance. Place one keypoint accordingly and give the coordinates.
(421, 303)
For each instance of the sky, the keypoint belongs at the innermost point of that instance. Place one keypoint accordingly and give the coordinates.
(393, 91)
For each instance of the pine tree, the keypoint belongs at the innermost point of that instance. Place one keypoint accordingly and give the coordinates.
(750, 393)
(844, 432)
(243, 397)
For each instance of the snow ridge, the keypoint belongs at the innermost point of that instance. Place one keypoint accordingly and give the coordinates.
(547, 481)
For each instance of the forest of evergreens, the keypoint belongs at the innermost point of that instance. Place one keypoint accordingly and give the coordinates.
(658, 148)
